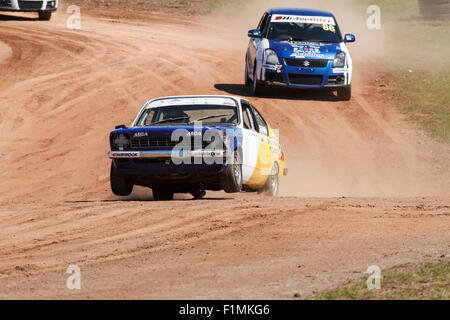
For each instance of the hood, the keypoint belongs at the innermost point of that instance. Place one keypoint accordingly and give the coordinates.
(305, 49)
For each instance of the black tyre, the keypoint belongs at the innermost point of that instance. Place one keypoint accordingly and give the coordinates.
(246, 77)
(120, 186)
(271, 186)
(45, 15)
(161, 195)
(232, 176)
(256, 87)
(198, 194)
(344, 93)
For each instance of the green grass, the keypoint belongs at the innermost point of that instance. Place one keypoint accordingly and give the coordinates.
(417, 65)
(427, 281)
(424, 99)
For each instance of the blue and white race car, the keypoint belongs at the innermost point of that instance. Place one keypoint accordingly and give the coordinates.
(190, 144)
(43, 8)
(299, 48)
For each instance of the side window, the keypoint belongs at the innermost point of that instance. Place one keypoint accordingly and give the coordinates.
(266, 26)
(262, 23)
(262, 125)
(247, 116)
(248, 119)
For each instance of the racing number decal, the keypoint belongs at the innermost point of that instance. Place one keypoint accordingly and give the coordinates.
(329, 27)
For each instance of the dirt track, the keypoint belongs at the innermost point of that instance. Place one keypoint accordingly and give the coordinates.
(61, 92)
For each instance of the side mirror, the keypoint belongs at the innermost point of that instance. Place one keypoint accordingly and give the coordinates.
(349, 38)
(254, 33)
(121, 126)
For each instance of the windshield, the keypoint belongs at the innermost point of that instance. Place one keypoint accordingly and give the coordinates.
(282, 30)
(188, 114)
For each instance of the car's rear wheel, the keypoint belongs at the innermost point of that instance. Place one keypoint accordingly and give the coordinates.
(162, 195)
(120, 185)
(45, 15)
(344, 93)
(198, 194)
(271, 186)
(232, 176)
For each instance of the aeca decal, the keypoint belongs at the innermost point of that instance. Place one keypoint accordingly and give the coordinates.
(140, 134)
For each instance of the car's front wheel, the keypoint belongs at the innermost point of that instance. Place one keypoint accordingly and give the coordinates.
(246, 77)
(256, 87)
(344, 93)
(161, 195)
(45, 15)
(120, 185)
(232, 176)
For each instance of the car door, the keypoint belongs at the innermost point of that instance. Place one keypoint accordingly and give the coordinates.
(254, 44)
(265, 160)
(250, 144)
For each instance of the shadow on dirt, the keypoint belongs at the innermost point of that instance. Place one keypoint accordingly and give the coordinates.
(7, 17)
(149, 199)
(279, 93)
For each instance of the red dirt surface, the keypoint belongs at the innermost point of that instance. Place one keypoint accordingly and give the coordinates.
(62, 91)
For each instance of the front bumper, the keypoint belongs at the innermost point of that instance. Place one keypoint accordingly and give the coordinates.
(167, 161)
(28, 6)
(169, 154)
(305, 77)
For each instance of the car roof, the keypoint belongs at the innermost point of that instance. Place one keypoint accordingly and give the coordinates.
(300, 12)
(191, 99)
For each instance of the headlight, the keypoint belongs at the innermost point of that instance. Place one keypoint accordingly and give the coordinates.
(339, 61)
(271, 57)
(121, 141)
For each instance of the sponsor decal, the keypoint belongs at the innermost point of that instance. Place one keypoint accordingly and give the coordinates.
(302, 55)
(312, 49)
(303, 19)
(125, 154)
(340, 70)
(208, 153)
(193, 133)
(140, 134)
(306, 43)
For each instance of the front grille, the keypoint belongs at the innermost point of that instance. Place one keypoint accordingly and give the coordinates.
(161, 143)
(146, 143)
(30, 5)
(304, 79)
(311, 63)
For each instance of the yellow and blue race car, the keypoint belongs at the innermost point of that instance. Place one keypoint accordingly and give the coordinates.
(190, 144)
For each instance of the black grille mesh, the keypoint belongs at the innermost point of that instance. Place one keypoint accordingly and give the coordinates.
(304, 79)
(311, 63)
(36, 5)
